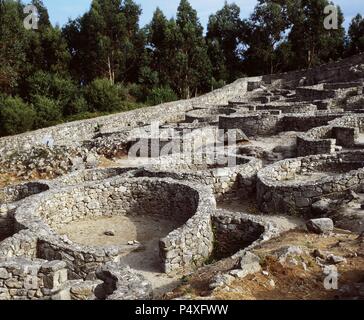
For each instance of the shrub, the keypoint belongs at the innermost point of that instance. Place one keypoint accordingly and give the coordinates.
(63, 90)
(161, 95)
(138, 92)
(48, 112)
(217, 84)
(102, 95)
(16, 116)
(78, 105)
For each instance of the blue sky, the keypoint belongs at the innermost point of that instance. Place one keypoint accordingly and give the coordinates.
(61, 10)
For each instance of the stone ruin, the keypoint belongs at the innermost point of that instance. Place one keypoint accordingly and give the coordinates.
(284, 142)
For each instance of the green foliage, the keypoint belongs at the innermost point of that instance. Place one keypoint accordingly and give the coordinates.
(79, 71)
(48, 112)
(161, 95)
(217, 84)
(78, 105)
(16, 116)
(13, 45)
(124, 106)
(356, 35)
(61, 89)
(223, 32)
(102, 95)
(137, 92)
(263, 32)
(106, 41)
(192, 64)
(311, 43)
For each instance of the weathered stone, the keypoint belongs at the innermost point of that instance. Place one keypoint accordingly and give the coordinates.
(332, 259)
(322, 207)
(323, 225)
(249, 264)
(288, 251)
(84, 290)
(4, 274)
(13, 283)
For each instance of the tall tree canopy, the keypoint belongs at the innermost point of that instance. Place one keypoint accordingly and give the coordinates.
(263, 33)
(106, 41)
(356, 35)
(160, 43)
(103, 61)
(191, 64)
(311, 43)
(223, 35)
(13, 45)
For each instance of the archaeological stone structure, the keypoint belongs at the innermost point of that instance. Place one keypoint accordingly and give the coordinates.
(113, 208)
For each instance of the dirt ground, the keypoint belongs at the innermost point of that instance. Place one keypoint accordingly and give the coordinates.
(147, 230)
(283, 281)
(249, 206)
(140, 228)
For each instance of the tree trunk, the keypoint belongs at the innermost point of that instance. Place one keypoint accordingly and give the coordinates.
(111, 72)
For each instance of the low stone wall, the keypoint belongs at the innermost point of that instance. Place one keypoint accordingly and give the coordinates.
(286, 107)
(325, 91)
(121, 283)
(37, 279)
(21, 191)
(210, 115)
(355, 103)
(20, 244)
(171, 141)
(84, 176)
(348, 69)
(74, 132)
(322, 140)
(280, 190)
(343, 85)
(253, 85)
(109, 145)
(260, 124)
(304, 122)
(229, 240)
(265, 123)
(316, 92)
(22, 279)
(316, 141)
(176, 200)
(6, 222)
(234, 232)
(47, 162)
(229, 176)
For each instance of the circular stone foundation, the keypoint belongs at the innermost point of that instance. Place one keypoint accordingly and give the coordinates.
(84, 176)
(141, 203)
(210, 115)
(21, 191)
(228, 175)
(292, 186)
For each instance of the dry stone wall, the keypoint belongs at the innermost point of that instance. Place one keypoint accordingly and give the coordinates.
(174, 200)
(281, 187)
(228, 176)
(318, 103)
